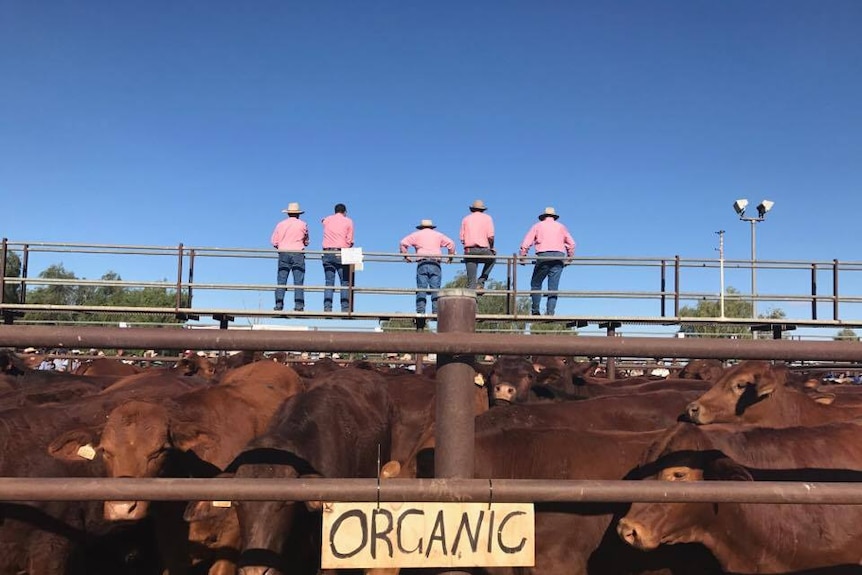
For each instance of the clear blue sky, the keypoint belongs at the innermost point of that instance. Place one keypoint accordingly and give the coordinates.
(162, 122)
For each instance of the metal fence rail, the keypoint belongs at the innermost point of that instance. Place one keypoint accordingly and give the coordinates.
(663, 287)
(456, 490)
(425, 342)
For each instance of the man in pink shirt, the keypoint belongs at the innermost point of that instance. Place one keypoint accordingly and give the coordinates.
(428, 244)
(290, 237)
(553, 244)
(477, 237)
(337, 234)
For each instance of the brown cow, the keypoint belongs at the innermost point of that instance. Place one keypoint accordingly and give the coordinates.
(759, 538)
(538, 442)
(303, 441)
(196, 434)
(754, 392)
(105, 366)
(38, 537)
(705, 369)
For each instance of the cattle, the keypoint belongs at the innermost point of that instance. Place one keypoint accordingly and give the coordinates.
(542, 441)
(412, 400)
(755, 392)
(195, 434)
(43, 537)
(705, 369)
(749, 538)
(105, 366)
(516, 379)
(334, 429)
(195, 365)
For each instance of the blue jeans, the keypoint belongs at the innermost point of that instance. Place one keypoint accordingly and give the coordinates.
(472, 265)
(428, 275)
(546, 268)
(291, 262)
(332, 267)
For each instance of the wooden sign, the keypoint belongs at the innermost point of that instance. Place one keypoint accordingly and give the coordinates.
(385, 535)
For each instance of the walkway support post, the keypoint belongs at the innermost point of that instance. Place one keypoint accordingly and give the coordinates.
(455, 417)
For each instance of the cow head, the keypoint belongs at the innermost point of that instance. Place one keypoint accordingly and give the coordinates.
(510, 380)
(736, 391)
(196, 365)
(648, 525)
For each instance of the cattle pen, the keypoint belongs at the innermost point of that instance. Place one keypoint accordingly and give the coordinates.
(456, 346)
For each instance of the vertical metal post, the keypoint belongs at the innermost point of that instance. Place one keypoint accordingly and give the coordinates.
(179, 300)
(813, 291)
(663, 286)
(511, 282)
(351, 278)
(25, 265)
(721, 270)
(835, 289)
(3, 249)
(455, 442)
(676, 286)
(454, 420)
(191, 275)
(612, 362)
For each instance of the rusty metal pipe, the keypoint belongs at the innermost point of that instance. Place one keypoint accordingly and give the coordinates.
(455, 417)
(452, 343)
(467, 490)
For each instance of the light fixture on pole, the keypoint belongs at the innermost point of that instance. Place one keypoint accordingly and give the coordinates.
(763, 207)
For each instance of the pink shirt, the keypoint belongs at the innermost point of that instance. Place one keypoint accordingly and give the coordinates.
(428, 242)
(290, 235)
(549, 235)
(477, 230)
(337, 231)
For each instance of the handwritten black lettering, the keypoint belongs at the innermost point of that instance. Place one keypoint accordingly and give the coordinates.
(400, 531)
(503, 547)
(378, 534)
(491, 532)
(438, 533)
(358, 514)
(473, 536)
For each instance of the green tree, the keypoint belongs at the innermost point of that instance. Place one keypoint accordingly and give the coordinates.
(736, 305)
(12, 291)
(846, 334)
(94, 296)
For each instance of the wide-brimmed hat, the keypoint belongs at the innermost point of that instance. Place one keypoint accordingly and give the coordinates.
(549, 211)
(293, 208)
(425, 224)
(30, 350)
(478, 205)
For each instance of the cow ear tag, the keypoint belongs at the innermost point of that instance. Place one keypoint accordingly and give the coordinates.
(221, 503)
(87, 452)
(479, 380)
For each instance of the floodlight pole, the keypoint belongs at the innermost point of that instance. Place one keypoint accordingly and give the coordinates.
(753, 222)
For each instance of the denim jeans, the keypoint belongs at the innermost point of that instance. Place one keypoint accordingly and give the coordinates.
(428, 275)
(332, 267)
(472, 265)
(546, 268)
(291, 262)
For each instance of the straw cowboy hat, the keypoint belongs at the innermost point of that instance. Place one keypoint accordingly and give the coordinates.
(425, 224)
(478, 205)
(293, 208)
(549, 211)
